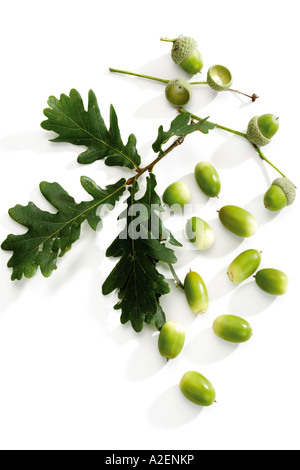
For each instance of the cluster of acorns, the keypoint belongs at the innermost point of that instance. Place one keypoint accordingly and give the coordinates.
(282, 193)
(185, 53)
(260, 130)
(231, 328)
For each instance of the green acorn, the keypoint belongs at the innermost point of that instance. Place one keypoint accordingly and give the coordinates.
(261, 129)
(282, 193)
(185, 53)
(272, 281)
(178, 92)
(219, 78)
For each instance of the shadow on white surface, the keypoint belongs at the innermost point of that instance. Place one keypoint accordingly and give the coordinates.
(206, 348)
(202, 96)
(244, 101)
(172, 410)
(30, 140)
(220, 285)
(235, 151)
(39, 143)
(176, 307)
(153, 109)
(85, 256)
(145, 353)
(13, 289)
(10, 225)
(232, 152)
(161, 67)
(249, 299)
(198, 198)
(225, 241)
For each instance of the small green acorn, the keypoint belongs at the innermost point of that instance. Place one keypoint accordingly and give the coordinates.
(238, 221)
(177, 193)
(185, 53)
(232, 329)
(261, 129)
(208, 179)
(272, 281)
(196, 292)
(197, 389)
(282, 193)
(199, 233)
(171, 339)
(219, 78)
(178, 92)
(244, 265)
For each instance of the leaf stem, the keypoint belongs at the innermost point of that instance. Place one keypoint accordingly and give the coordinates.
(139, 75)
(241, 134)
(179, 283)
(197, 118)
(150, 167)
(163, 80)
(263, 157)
(168, 40)
(254, 97)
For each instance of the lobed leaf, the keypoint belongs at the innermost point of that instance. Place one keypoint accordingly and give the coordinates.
(50, 236)
(135, 276)
(180, 127)
(68, 118)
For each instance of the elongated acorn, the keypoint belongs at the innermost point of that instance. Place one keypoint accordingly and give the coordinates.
(232, 329)
(238, 221)
(272, 281)
(177, 193)
(282, 193)
(261, 129)
(244, 265)
(196, 292)
(178, 92)
(208, 179)
(200, 233)
(219, 78)
(171, 339)
(185, 53)
(197, 388)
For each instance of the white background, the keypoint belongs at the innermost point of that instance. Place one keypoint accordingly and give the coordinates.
(71, 376)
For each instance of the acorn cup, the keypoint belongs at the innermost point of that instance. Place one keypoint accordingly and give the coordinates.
(281, 194)
(185, 53)
(178, 92)
(261, 129)
(219, 78)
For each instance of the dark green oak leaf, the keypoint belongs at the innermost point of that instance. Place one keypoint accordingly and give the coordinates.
(50, 236)
(135, 276)
(68, 118)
